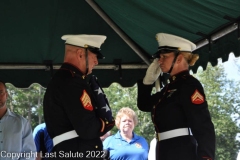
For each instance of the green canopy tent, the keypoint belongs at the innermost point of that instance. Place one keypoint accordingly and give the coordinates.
(32, 49)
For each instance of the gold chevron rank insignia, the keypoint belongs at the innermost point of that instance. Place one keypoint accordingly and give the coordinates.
(86, 101)
(197, 98)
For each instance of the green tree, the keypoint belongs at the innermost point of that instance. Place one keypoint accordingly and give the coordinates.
(223, 100)
(27, 102)
(127, 97)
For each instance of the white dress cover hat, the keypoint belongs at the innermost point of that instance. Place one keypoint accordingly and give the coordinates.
(170, 43)
(91, 42)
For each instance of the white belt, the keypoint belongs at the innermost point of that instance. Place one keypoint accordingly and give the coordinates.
(173, 133)
(64, 137)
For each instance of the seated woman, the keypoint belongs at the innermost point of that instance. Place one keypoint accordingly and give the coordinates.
(125, 144)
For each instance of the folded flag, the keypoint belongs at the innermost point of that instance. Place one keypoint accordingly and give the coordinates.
(103, 107)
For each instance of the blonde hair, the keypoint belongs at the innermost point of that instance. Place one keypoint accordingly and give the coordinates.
(125, 111)
(190, 57)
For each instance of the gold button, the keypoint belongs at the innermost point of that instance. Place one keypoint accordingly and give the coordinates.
(96, 146)
(106, 122)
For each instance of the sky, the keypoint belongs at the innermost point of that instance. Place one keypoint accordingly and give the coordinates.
(232, 72)
(231, 69)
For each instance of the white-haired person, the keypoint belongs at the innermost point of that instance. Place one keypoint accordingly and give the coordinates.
(125, 144)
(179, 112)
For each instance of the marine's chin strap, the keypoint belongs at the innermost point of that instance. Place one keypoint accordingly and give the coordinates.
(174, 60)
(86, 56)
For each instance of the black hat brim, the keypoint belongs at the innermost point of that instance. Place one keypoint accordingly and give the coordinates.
(165, 50)
(97, 52)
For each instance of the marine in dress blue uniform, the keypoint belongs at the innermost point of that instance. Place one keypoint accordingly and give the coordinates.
(179, 112)
(72, 112)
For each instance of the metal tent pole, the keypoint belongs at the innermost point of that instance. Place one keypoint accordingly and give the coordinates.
(218, 35)
(37, 66)
(129, 41)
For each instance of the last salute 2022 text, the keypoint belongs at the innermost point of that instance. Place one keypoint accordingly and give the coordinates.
(63, 154)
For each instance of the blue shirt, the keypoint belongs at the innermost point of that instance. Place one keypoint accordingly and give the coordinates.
(41, 130)
(120, 149)
(16, 140)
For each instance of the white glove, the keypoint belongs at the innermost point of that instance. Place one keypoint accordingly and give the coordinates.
(152, 73)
